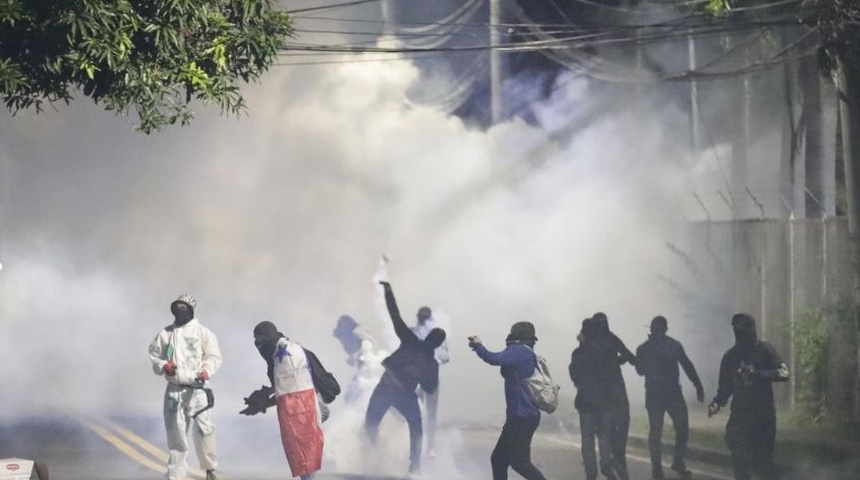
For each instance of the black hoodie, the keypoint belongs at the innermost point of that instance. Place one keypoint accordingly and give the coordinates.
(414, 362)
(747, 371)
(594, 371)
(266, 337)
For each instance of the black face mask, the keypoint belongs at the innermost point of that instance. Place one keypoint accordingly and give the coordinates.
(744, 329)
(266, 336)
(744, 336)
(657, 334)
(181, 316)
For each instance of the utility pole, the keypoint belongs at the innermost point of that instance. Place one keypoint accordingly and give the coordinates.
(495, 63)
(694, 96)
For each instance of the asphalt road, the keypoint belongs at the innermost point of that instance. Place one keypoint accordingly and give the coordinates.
(133, 448)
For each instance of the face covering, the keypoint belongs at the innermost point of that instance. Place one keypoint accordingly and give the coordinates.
(744, 328)
(266, 336)
(181, 315)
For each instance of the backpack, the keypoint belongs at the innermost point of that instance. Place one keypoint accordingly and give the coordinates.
(543, 391)
(324, 382)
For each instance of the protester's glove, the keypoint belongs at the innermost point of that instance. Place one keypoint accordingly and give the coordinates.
(169, 368)
(258, 401)
(700, 393)
(713, 408)
(202, 376)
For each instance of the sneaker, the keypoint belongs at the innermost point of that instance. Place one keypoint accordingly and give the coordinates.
(682, 471)
(657, 473)
(211, 475)
(608, 473)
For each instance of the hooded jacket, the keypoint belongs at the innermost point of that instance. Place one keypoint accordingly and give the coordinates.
(747, 371)
(595, 372)
(518, 361)
(191, 347)
(414, 362)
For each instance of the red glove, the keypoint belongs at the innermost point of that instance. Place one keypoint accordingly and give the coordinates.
(169, 368)
(202, 376)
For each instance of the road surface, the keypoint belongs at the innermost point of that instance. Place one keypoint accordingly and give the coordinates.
(133, 448)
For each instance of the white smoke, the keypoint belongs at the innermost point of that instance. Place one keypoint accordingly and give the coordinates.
(283, 216)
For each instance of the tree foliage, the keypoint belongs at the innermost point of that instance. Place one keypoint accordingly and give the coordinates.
(151, 56)
(839, 24)
(811, 337)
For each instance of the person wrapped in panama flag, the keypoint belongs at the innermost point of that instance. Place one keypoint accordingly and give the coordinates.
(299, 414)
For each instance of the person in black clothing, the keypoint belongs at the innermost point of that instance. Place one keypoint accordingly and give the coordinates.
(412, 364)
(590, 366)
(747, 371)
(657, 360)
(617, 393)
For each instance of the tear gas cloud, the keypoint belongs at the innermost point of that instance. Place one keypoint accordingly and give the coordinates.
(283, 215)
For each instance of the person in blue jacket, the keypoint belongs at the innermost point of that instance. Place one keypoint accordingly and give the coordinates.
(522, 417)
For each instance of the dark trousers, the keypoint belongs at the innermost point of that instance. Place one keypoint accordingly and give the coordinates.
(385, 396)
(751, 441)
(513, 449)
(596, 425)
(658, 405)
(620, 431)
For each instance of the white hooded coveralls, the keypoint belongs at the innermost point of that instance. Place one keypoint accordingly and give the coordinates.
(192, 348)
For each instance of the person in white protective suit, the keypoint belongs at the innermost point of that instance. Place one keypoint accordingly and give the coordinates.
(426, 323)
(361, 355)
(187, 354)
(299, 414)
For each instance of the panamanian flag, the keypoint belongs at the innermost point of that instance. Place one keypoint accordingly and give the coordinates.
(298, 413)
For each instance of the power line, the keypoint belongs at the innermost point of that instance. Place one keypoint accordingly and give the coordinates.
(572, 41)
(564, 43)
(329, 7)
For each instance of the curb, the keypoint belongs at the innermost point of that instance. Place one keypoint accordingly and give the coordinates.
(704, 455)
(723, 458)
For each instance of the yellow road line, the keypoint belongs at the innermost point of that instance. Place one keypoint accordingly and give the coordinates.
(137, 440)
(123, 446)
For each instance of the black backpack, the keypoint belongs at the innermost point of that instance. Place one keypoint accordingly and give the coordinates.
(324, 382)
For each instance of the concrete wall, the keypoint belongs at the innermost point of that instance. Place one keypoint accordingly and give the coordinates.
(776, 269)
